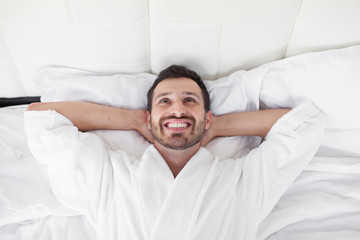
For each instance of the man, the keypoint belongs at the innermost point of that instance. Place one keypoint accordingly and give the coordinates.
(177, 189)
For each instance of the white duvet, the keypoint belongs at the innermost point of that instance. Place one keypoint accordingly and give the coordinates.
(322, 203)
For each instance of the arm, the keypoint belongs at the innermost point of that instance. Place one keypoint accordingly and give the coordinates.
(268, 170)
(89, 116)
(256, 123)
(79, 164)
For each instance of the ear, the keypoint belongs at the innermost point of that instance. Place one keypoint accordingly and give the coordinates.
(148, 120)
(208, 117)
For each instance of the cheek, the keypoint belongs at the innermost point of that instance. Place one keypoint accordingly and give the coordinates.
(153, 118)
(201, 115)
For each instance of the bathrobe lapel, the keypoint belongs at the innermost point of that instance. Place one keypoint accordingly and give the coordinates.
(170, 206)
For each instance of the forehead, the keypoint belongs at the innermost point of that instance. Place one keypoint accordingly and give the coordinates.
(177, 85)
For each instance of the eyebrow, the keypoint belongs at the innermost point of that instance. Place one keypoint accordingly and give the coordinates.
(184, 93)
(191, 94)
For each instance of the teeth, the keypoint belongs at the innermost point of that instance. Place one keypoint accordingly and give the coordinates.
(177, 125)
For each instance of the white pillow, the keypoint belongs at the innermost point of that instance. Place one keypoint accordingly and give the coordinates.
(118, 90)
(330, 79)
(230, 94)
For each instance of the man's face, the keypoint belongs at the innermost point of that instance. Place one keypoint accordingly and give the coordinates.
(178, 119)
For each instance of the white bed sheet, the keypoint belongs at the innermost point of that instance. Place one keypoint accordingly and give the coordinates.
(28, 209)
(323, 202)
(49, 228)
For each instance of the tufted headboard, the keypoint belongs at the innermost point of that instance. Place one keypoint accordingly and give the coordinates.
(213, 37)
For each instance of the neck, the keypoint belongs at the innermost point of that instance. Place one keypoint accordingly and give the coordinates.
(176, 159)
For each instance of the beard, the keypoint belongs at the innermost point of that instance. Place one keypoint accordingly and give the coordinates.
(177, 141)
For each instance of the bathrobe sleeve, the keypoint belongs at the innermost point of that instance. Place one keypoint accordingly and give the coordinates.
(78, 163)
(289, 146)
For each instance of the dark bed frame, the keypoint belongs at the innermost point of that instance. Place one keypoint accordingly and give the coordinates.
(5, 102)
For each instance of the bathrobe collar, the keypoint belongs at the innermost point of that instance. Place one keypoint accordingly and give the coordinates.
(170, 206)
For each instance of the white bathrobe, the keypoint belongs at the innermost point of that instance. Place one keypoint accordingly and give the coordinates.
(128, 198)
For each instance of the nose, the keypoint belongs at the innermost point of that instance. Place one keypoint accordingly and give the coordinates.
(178, 109)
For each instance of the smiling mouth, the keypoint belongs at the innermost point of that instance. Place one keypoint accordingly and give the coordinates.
(177, 125)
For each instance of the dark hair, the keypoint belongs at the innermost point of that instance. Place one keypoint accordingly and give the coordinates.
(175, 71)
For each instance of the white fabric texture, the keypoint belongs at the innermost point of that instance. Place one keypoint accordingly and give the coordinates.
(214, 38)
(129, 198)
(24, 187)
(49, 227)
(322, 203)
(330, 79)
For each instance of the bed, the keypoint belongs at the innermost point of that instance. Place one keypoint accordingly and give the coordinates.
(253, 55)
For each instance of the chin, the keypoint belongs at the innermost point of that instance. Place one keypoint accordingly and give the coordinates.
(179, 144)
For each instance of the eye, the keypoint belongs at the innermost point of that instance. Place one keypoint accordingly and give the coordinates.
(164, 100)
(189, 99)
